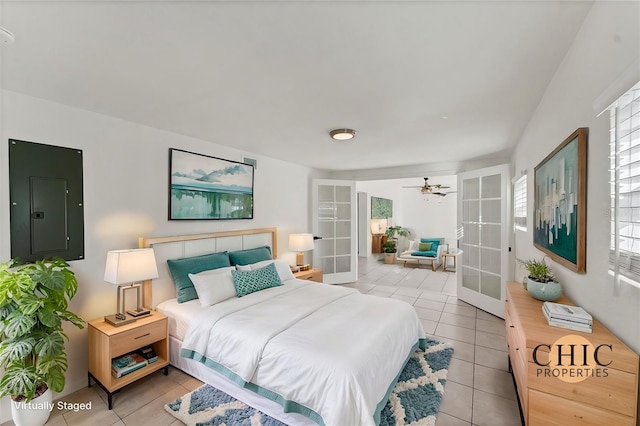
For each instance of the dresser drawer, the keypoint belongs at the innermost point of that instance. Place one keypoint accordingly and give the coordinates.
(130, 340)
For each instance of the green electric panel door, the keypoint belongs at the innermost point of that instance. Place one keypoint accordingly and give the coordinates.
(47, 218)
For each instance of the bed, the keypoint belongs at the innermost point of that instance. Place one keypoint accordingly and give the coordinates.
(301, 352)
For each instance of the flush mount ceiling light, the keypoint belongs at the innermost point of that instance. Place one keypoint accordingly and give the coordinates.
(342, 134)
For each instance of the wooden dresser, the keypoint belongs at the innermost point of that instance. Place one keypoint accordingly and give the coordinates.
(551, 391)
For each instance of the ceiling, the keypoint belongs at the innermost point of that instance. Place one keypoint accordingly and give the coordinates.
(420, 82)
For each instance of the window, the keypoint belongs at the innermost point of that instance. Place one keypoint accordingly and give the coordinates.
(624, 258)
(520, 203)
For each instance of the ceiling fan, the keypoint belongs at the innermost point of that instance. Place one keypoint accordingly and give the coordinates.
(431, 189)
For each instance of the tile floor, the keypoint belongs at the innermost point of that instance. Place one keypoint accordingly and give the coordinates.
(479, 390)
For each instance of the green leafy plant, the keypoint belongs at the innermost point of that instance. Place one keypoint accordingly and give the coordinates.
(395, 231)
(33, 305)
(538, 270)
(392, 232)
(390, 246)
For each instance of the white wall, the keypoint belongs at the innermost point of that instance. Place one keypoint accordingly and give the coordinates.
(607, 43)
(426, 216)
(125, 196)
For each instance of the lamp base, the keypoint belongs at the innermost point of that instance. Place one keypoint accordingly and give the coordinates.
(139, 313)
(116, 320)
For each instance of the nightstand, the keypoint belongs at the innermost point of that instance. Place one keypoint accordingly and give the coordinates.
(310, 275)
(107, 342)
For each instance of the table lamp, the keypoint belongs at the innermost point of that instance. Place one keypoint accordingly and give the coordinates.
(127, 269)
(300, 243)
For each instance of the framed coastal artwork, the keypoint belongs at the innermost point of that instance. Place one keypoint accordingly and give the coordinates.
(208, 188)
(560, 203)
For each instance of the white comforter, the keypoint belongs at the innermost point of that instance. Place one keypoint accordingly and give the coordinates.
(327, 348)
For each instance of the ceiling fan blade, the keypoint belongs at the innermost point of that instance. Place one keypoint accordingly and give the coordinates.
(416, 186)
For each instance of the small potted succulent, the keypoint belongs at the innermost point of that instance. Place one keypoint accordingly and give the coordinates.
(540, 282)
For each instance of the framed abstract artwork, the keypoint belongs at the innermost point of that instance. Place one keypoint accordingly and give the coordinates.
(381, 208)
(560, 192)
(208, 188)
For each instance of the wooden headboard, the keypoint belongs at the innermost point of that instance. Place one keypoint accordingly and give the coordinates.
(162, 288)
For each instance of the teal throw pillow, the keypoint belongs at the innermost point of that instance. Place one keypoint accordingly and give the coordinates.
(247, 257)
(181, 268)
(434, 243)
(424, 247)
(247, 282)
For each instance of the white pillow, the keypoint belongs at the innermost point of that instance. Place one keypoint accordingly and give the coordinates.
(283, 268)
(214, 285)
(413, 245)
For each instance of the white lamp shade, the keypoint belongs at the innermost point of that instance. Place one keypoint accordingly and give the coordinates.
(378, 226)
(130, 266)
(300, 242)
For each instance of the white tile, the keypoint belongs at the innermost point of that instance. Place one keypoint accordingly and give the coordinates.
(495, 411)
(460, 372)
(384, 289)
(435, 296)
(429, 304)
(428, 314)
(457, 401)
(403, 291)
(456, 333)
(459, 320)
(491, 380)
(410, 300)
(460, 310)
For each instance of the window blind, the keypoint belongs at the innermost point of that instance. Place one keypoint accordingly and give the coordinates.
(624, 257)
(520, 203)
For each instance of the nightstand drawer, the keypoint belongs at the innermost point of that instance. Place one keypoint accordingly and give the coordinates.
(310, 275)
(133, 339)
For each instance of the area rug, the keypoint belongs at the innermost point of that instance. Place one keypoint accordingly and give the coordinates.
(414, 400)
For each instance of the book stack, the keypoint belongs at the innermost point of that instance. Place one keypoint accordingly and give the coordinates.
(148, 353)
(566, 316)
(125, 364)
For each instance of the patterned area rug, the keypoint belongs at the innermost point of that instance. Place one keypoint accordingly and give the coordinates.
(415, 399)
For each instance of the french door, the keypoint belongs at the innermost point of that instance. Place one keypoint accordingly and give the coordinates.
(483, 215)
(334, 220)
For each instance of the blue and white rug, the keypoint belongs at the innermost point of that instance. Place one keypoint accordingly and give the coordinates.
(415, 399)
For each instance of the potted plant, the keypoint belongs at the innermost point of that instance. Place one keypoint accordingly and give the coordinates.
(390, 247)
(540, 282)
(33, 306)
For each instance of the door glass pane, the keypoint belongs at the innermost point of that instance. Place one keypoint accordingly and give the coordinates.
(343, 194)
(328, 265)
(343, 211)
(491, 236)
(325, 193)
(471, 189)
(326, 211)
(490, 285)
(490, 260)
(326, 229)
(343, 264)
(328, 247)
(491, 211)
(472, 255)
(343, 229)
(470, 211)
(343, 246)
(471, 279)
(471, 234)
(491, 186)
